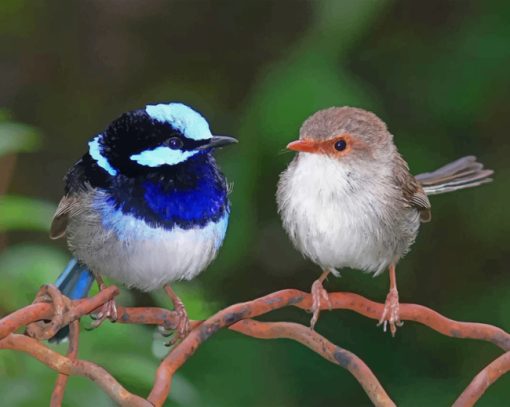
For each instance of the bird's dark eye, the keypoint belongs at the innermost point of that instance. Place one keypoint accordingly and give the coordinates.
(175, 143)
(341, 145)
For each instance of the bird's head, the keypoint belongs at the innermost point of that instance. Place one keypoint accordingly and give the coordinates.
(346, 134)
(156, 137)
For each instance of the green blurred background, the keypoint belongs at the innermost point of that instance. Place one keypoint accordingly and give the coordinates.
(437, 72)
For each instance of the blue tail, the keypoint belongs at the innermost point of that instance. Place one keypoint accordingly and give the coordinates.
(74, 282)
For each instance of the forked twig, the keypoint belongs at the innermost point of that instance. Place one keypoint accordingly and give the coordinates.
(237, 317)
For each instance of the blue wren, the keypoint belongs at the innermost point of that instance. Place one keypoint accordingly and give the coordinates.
(146, 205)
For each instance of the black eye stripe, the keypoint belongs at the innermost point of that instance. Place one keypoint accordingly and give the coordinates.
(180, 142)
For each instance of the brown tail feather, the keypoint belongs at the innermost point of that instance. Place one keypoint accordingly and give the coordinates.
(465, 172)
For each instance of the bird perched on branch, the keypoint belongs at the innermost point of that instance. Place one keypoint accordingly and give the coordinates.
(146, 205)
(348, 199)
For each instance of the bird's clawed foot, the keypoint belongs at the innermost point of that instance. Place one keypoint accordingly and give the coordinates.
(107, 311)
(320, 296)
(391, 312)
(182, 327)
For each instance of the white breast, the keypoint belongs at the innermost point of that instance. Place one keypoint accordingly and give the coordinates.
(136, 254)
(340, 218)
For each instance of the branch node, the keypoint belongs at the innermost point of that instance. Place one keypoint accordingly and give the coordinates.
(45, 329)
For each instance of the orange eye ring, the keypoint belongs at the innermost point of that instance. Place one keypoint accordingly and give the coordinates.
(340, 145)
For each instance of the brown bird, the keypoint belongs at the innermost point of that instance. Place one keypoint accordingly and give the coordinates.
(348, 199)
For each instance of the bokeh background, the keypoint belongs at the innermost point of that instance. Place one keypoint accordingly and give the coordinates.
(435, 71)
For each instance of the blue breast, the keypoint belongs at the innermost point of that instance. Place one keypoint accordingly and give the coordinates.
(192, 195)
(203, 202)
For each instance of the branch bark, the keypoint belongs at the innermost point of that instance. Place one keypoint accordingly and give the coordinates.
(483, 380)
(230, 315)
(72, 353)
(238, 318)
(62, 364)
(329, 351)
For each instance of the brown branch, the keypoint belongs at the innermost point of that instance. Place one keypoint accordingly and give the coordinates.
(47, 329)
(62, 364)
(339, 300)
(72, 353)
(230, 317)
(320, 345)
(280, 299)
(44, 311)
(483, 380)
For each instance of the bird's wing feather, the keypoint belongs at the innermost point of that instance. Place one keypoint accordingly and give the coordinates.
(413, 194)
(67, 207)
(76, 182)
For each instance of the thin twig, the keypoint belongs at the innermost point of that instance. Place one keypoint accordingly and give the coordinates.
(63, 364)
(45, 311)
(339, 300)
(320, 345)
(72, 353)
(66, 312)
(483, 380)
(230, 315)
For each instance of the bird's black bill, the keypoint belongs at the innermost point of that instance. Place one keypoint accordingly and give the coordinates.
(218, 141)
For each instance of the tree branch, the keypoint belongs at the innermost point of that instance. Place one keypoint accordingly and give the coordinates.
(42, 311)
(483, 380)
(72, 353)
(238, 317)
(62, 364)
(339, 300)
(284, 298)
(317, 343)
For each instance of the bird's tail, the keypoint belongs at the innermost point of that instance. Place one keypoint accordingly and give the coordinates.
(465, 172)
(74, 282)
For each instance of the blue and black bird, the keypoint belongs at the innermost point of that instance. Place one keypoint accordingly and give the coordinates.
(146, 205)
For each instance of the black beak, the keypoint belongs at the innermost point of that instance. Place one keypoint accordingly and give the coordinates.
(218, 141)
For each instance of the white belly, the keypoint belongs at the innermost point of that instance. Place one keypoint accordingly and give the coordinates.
(340, 220)
(138, 255)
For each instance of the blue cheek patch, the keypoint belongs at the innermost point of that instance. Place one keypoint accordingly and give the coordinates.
(183, 118)
(95, 153)
(162, 156)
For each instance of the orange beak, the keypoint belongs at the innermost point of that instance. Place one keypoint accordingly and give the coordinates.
(304, 146)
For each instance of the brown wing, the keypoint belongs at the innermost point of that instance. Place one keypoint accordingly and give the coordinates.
(413, 193)
(68, 205)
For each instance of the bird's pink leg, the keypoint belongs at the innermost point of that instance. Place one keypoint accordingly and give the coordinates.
(108, 310)
(319, 294)
(183, 325)
(391, 312)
